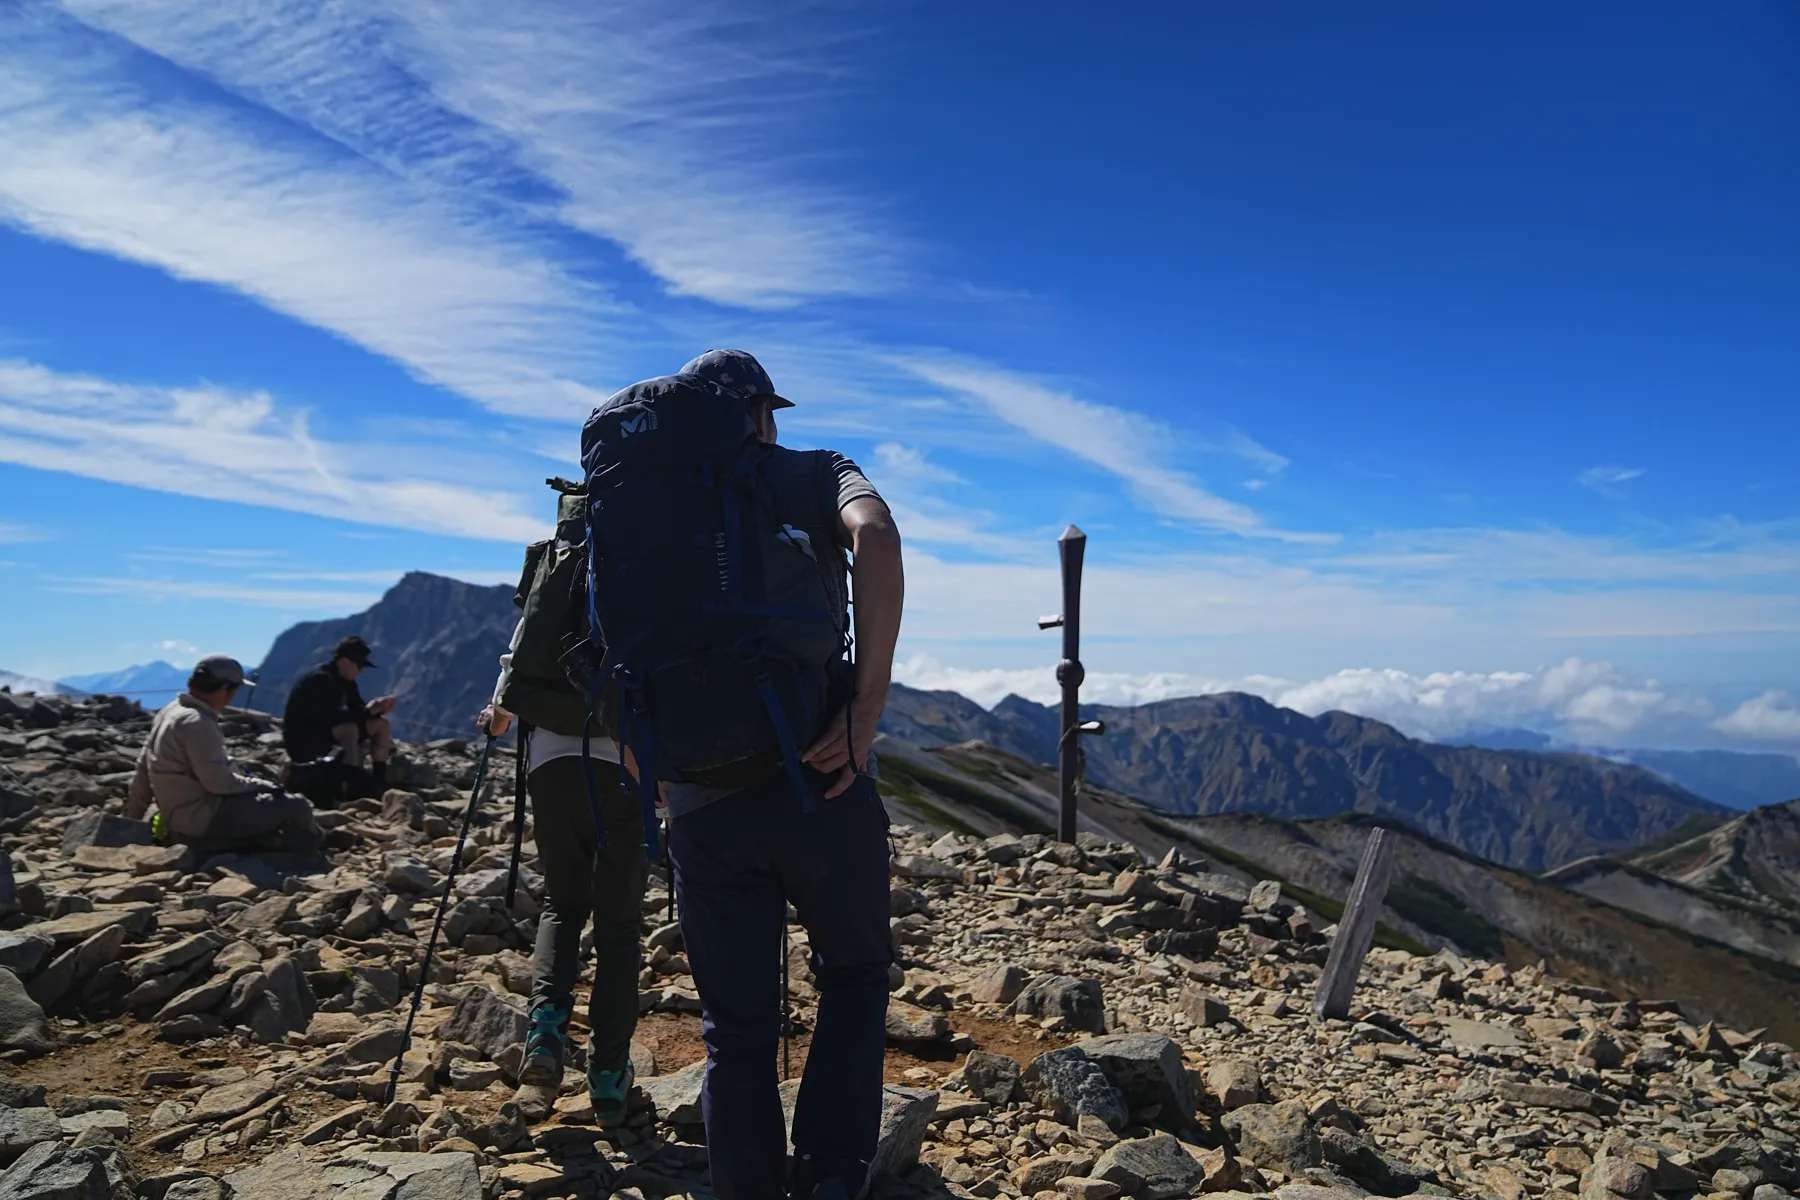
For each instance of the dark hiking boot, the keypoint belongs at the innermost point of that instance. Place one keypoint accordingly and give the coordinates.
(608, 1091)
(546, 1043)
(810, 1180)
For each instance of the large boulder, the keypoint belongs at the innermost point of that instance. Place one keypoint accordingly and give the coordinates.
(1147, 1070)
(53, 1171)
(1079, 1003)
(22, 1025)
(1071, 1085)
(1152, 1168)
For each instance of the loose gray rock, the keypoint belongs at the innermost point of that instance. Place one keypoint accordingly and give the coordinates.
(292, 996)
(485, 1020)
(1000, 984)
(993, 1077)
(677, 1096)
(1152, 1168)
(1070, 1084)
(22, 953)
(906, 1113)
(1147, 1070)
(265, 916)
(1235, 1082)
(21, 1095)
(1078, 1002)
(1276, 1136)
(909, 1023)
(205, 1188)
(22, 1024)
(104, 829)
(23, 1128)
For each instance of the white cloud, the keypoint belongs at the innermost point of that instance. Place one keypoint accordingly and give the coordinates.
(14, 533)
(224, 445)
(1585, 702)
(221, 591)
(229, 197)
(910, 465)
(1127, 444)
(1770, 717)
(1606, 479)
(668, 132)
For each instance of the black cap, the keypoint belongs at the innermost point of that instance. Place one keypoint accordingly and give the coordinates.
(354, 649)
(737, 371)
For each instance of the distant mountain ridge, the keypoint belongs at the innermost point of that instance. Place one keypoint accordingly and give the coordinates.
(1738, 779)
(436, 643)
(151, 684)
(1233, 752)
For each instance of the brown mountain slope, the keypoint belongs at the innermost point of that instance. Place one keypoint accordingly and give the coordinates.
(1442, 896)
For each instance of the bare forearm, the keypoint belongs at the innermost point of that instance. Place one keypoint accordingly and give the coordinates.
(879, 580)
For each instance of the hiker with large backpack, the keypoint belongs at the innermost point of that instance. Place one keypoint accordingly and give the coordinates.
(589, 840)
(719, 654)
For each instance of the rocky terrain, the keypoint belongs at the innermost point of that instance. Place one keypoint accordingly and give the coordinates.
(1233, 753)
(1068, 1023)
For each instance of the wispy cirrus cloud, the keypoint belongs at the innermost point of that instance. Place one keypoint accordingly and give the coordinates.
(1129, 445)
(153, 173)
(1607, 480)
(224, 445)
(667, 132)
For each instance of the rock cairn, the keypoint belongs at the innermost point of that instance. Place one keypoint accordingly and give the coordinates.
(1067, 1023)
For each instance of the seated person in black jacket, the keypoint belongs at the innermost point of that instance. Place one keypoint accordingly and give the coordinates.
(326, 712)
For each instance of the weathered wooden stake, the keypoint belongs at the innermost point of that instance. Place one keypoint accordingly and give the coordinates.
(1356, 931)
(1072, 546)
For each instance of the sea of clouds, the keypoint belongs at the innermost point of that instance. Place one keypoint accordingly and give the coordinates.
(1577, 701)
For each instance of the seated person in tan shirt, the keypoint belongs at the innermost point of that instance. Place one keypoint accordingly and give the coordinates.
(186, 770)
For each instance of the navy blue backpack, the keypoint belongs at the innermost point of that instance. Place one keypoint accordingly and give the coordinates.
(718, 635)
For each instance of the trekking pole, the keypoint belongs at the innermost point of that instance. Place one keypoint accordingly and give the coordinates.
(437, 924)
(787, 1022)
(521, 790)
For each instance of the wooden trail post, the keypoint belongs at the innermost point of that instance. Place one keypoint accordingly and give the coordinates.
(1072, 546)
(1356, 931)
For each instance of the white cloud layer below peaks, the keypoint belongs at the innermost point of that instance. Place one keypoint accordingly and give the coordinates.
(1579, 701)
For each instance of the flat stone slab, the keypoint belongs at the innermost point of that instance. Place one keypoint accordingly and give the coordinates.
(65, 931)
(1479, 1035)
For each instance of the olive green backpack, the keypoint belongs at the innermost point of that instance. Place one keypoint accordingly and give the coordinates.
(552, 593)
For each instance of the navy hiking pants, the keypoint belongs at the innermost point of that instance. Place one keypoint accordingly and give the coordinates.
(738, 863)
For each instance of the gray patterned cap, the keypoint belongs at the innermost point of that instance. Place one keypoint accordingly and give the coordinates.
(737, 371)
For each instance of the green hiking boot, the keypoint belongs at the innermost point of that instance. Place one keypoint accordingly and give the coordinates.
(546, 1043)
(607, 1091)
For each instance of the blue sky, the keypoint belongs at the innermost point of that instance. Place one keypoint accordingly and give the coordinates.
(1437, 363)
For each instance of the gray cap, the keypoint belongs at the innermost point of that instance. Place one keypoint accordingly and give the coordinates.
(737, 371)
(221, 667)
